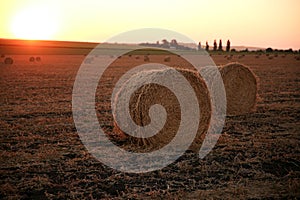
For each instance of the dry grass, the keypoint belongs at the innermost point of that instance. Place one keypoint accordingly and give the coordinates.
(42, 157)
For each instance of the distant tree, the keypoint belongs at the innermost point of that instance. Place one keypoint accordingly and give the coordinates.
(233, 50)
(220, 46)
(269, 50)
(165, 43)
(245, 50)
(174, 43)
(207, 46)
(289, 50)
(199, 46)
(228, 46)
(215, 45)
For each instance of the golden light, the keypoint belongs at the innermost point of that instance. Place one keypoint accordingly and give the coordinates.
(36, 22)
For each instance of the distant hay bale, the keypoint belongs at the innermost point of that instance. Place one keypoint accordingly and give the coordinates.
(167, 59)
(88, 60)
(241, 88)
(241, 56)
(8, 61)
(31, 59)
(137, 57)
(2, 55)
(38, 59)
(146, 58)
(229, 57)
(151, 94)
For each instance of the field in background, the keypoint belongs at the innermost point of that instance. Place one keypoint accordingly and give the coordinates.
(41, 154)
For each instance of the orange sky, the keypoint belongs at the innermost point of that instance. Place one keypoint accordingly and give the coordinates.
(259, 23)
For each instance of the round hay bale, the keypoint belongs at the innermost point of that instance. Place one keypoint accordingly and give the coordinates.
(38, 59)
(146, 58)
(147, 95)
(8, 61)
(167, 59)
(241, 88)
(137, 57)
(88, 60)
(31, 59)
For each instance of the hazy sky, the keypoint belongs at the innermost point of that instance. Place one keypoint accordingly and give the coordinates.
(259, 23)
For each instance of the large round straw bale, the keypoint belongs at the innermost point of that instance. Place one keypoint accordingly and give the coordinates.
(31, 59)
(8, 61)
(241, 88)
(150, 94)
(38, 59)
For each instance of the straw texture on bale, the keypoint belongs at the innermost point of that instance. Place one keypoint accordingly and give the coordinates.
(147, 95)
(241, 88)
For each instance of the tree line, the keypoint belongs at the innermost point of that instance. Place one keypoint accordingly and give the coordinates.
(216, 47)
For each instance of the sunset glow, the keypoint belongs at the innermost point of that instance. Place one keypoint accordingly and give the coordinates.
(34, 23)
(250, 23)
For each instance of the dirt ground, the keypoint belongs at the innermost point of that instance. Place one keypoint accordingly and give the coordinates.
(41, 155)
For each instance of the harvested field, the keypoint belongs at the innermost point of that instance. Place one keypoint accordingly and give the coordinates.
(41, 155)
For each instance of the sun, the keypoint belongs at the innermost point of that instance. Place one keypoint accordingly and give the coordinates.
(36, 22)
